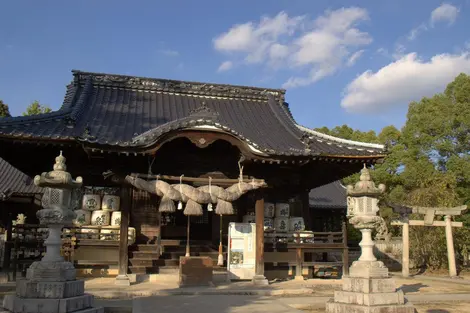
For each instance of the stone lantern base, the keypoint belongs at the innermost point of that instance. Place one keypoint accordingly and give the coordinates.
(50, 288)
(374, 292)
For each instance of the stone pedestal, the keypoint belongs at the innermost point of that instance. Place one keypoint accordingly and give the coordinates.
(260, 280)
(369, 295)
(50, 296)
(50, 285)
(369, 289)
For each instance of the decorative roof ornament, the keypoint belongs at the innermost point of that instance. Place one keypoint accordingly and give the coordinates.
(59, 177)
(204, 111)
(365, 187)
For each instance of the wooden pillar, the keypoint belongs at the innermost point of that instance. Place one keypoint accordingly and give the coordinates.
(345, 250)
(122, 279)
(298, 265)
(450, 247)
(405, 266)
(8, 245)
(306, 213)
(259, 278)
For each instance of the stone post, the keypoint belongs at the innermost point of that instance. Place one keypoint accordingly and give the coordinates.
(405, 266)
(450, 247)
(368, 288)
(50, 285)
(367, 245)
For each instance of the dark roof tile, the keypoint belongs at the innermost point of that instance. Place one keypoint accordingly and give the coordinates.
(329, 196)
(14, 182)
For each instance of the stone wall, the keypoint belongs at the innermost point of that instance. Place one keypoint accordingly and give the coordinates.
(389, 252)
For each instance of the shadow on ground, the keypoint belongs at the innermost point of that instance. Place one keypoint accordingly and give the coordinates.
(205, 303)
(412, 287)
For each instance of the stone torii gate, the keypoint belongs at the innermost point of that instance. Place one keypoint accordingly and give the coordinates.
(429, 215)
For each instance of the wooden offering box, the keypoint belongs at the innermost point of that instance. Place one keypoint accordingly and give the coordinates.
(195, 271)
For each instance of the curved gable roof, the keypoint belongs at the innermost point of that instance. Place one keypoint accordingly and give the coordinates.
(128, 112)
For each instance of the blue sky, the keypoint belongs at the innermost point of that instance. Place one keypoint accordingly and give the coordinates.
(342, 62)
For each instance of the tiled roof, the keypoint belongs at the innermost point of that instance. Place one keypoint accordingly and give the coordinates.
(329, 196)
(14, 182)
(130, 112)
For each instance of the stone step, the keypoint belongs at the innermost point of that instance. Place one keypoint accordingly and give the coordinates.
(152, 262)
(144, 262)
(143, 270)
(193, 248)
(336, 307)
(169, 270)
(146, 248)
(144, 255)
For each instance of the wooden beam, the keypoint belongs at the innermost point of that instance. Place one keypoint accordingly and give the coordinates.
(422, 223)
(214, 181)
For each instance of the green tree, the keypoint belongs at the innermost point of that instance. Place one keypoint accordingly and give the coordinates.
(36, 108)
(428, 164)
(4, 110)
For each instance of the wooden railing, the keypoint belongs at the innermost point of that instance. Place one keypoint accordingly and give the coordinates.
(304, 242)
(25, 244)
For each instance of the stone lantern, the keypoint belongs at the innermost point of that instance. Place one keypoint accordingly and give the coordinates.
(368, 288)
(50, 285)
(362, 213)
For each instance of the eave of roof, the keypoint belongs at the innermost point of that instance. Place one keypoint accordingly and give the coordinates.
(378, 149)
(329, 196)
(13, 182)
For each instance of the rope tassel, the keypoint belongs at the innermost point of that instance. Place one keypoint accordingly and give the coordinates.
(180, 204)
(209, 206)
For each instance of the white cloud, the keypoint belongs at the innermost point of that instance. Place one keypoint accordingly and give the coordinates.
(256, 41)
(169, 52)
(354, 57)
(444, 13)
(402, 81)
(321, 46)
(225, 66)
(416, 31)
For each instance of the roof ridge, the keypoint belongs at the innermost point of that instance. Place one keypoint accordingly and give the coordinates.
(178, 86)
(341, 140)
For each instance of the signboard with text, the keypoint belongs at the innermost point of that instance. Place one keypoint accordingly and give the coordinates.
(241, 251)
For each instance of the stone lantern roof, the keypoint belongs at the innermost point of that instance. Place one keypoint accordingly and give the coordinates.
(59, 177)
(365, 187)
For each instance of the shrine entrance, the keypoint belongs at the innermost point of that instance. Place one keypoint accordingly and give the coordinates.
(429, 215)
